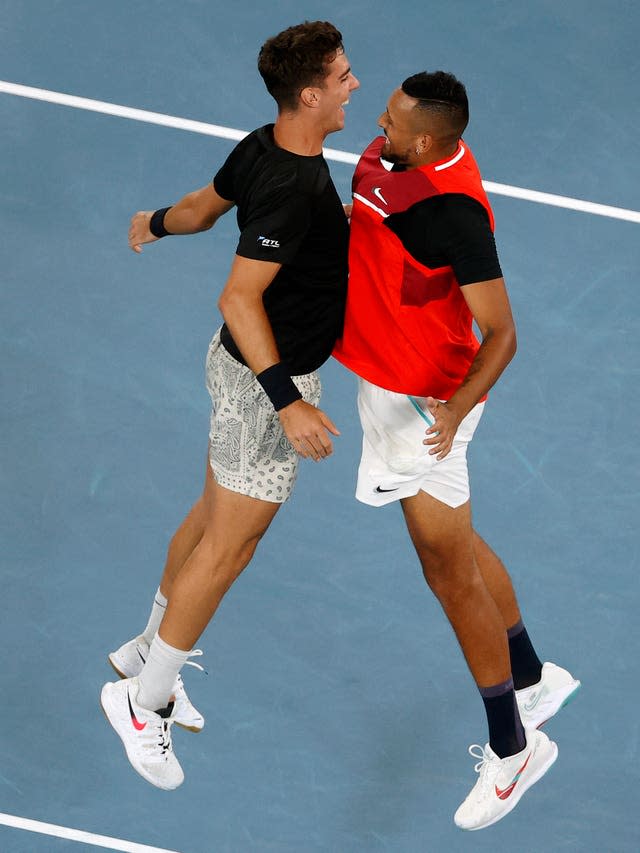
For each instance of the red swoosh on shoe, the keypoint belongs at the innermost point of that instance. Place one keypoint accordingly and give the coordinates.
(506, 792)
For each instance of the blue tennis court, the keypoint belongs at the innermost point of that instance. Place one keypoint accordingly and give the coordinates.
(338, 706)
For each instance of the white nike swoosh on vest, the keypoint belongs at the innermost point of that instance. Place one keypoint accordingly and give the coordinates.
(378, 194)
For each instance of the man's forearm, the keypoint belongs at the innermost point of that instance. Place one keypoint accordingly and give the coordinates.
(186, 217)
(250, 328)
(495, 353)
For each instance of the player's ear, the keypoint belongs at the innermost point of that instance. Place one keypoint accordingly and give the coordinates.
(309, 97)
(423, 144)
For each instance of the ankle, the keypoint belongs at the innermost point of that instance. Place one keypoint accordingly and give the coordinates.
(506, 733)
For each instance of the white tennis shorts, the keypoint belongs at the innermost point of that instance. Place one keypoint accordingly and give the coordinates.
(395, 463)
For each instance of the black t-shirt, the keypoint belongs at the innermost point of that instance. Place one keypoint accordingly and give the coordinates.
(449, 230)
(289, 212)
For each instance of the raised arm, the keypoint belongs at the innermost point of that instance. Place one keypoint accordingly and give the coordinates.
(197, 211)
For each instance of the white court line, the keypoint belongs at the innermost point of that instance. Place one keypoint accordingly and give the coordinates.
(78, 835)
(330, 153)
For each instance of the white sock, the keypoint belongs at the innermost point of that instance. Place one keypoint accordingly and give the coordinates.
(155, 617)
(159, 674)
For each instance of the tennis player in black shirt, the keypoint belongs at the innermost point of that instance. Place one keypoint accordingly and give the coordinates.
(282, 306)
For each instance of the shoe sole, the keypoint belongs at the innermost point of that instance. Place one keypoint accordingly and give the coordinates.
(104, 694)
(520, 793)
(122, 674)
(567, 699)
(187, 728)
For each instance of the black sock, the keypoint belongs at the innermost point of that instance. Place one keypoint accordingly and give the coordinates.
(506, 734)
(525, 664)
(166, 712)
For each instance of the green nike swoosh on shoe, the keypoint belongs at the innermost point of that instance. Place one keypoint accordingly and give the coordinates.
(541, 701)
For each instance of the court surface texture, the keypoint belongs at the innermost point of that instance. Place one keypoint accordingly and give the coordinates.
(338, 706)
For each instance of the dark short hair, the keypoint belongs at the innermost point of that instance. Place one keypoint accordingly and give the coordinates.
(297, 57)
(440, 93)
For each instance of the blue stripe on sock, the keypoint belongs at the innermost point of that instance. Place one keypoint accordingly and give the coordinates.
(496, 689)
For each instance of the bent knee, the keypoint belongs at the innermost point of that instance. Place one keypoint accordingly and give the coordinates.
(451, 591)
(228, 558)
(449, 574)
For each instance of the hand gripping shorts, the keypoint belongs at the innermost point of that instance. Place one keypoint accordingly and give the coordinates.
(395, 463)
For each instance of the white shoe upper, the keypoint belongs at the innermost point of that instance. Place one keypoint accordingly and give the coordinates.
(128, 661)
(502, 781)
(146, 735)
(543, 700)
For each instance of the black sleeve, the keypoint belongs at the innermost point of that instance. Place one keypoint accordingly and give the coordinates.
(276, 218)
(450, 230)
(223, 181)
(465, 235)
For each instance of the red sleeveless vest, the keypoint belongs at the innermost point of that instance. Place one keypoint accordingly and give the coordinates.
(407, 327)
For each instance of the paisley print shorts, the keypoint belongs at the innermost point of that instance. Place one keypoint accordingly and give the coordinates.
(248, 450)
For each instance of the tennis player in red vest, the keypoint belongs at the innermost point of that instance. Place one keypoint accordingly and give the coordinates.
(422, 267)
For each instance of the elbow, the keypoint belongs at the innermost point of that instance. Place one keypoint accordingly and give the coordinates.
(503, 341)
(223, 303)
(227, 305)
(509, 345)
(512, 344)
(206, 223)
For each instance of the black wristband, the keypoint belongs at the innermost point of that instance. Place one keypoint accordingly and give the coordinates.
(156, 223)
(278, 386)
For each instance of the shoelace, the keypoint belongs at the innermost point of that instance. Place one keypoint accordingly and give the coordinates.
(478, 753)
(194, 653)
(483, 765)
(155, 740)
(165, 737)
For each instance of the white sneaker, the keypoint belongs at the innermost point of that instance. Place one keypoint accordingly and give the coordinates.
(146, 735)
(543, 700)
(128, 661)
(504, 780)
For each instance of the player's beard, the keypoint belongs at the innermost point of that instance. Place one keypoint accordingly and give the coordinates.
(395, 157)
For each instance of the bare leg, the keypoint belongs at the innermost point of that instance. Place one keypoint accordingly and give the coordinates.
(443, 539)
(186, 538)
(497, 581)
(233, 526)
